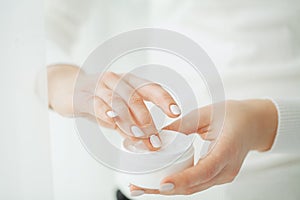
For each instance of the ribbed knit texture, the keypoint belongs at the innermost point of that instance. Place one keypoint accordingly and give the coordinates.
(288, 132)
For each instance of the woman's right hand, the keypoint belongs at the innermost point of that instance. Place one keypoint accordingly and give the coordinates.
(95, 95)
(249, 125)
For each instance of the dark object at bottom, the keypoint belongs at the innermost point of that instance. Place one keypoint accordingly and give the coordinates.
(120, 195)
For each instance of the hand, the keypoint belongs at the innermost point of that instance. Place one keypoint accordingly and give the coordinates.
(95, 94)
(249, 125)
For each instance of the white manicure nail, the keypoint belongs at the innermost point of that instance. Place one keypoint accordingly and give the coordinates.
(175, 109)
(155, 141)
(111, 114)
(135, 193)
(137, 132)
(166, 187)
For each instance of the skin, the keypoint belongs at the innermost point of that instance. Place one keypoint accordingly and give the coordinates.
(96, 93)
(249, 125)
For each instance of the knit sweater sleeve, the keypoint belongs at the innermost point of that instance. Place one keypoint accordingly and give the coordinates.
(287, 138)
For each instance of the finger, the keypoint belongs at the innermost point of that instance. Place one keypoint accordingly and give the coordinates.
(151, 144)
(134, 101)
(203, 130)
(99, 121)
(192, 122)
(124, 119)
(125, 122)
(232, 168)
(206, 134)
(205, 170)
(147, 141)
(94, 106)
(134, 190)
(199, 188)
(227, 175)
(155, 93)
(101, 110)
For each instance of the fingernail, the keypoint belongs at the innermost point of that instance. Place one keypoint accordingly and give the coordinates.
(155, 141)
(135, 193)
(137, 132)
(166, 187)
(175, 109)
(111, 114)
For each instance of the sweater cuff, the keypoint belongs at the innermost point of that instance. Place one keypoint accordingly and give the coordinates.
(287, 138)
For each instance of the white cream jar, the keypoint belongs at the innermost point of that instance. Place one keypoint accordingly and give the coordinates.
(175, 145)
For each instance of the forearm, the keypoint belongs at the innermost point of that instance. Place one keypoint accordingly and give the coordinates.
(61, 82)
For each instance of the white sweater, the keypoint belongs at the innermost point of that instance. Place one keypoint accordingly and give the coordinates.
(254, 44)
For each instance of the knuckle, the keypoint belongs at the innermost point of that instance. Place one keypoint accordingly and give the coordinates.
(210, 172)
(235, 172)
(130, 77)
(187, 180)
(230, 179)
(109, 96)
(115, 99)
(108, 76)
(164, 96)
(135, 100)
(97, 107)
(156, 85)
(231, 175)
(146, 118)
(233, 150)
(104, 94)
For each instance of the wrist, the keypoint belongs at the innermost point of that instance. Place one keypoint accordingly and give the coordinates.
(265, 120)
(61, 82)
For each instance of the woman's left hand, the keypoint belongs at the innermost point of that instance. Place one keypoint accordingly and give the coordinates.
(249, 125)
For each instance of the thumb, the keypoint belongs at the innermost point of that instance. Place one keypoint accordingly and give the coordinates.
(192, 122)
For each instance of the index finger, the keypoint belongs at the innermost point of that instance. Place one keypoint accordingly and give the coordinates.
(134, 101)
(193, 122)
(155, 93)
